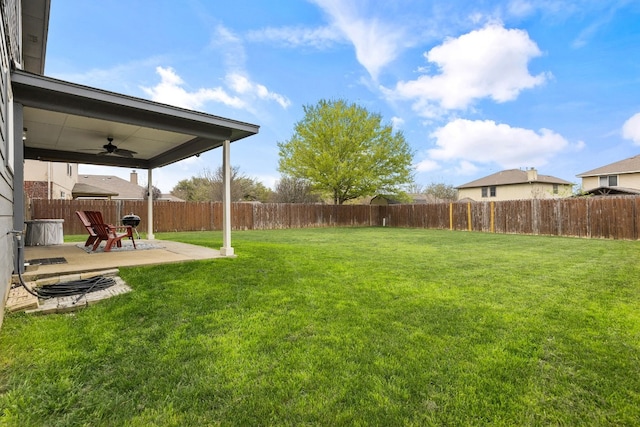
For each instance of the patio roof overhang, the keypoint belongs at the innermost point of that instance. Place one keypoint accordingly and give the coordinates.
(67, 122)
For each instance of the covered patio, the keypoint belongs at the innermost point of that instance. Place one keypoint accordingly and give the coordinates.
(67, 122)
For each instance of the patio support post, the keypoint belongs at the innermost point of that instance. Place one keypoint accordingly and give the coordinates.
(226, 249)
(150, 235)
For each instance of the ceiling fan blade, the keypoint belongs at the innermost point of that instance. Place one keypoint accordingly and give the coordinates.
(124, 152)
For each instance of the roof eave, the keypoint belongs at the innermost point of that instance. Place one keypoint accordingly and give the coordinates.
(44, 92)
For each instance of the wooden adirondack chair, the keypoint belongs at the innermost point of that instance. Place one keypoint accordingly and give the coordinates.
(87, 224)
(108, 232)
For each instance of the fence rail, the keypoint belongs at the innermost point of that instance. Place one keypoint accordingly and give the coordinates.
(596, 217)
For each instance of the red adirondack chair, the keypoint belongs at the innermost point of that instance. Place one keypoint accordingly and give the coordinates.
(87, 224)
(107, 232)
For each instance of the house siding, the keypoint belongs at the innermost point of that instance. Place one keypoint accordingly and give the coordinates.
(9, 31)
(626, 180)
(523, 191)
(49, 180)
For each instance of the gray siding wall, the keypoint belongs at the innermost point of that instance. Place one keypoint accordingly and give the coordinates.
(7, 243)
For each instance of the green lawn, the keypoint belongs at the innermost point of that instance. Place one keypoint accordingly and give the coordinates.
(330, 327)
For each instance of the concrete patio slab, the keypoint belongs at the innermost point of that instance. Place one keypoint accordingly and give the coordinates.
(78, 260)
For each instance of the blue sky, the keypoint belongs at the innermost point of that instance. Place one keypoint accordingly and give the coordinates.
(476, 87)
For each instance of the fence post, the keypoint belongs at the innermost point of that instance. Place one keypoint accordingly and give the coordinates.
(469, 216)
(451, 216)
(534, 216)
(492, 215)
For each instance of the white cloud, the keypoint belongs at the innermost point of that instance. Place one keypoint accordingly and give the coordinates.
(427, 165)
(320, 38)
(605, 16)
(465, 167)
(116, 78)
(376, 42)
(227, 44)
(520, 8)
(242, 85)
(397, 122)
(170, 90)
(488, 142)
(631, 129)
(486, 63)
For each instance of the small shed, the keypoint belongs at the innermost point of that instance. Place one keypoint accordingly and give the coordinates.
(384, 200)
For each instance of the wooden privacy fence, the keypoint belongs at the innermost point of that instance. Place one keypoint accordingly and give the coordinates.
(595, 217)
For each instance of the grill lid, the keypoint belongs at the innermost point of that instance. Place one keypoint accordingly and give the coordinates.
(131, 219)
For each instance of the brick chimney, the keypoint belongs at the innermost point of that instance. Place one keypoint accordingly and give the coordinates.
(532, 174)
(134, 177)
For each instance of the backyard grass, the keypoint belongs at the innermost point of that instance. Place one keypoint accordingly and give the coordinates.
(330, 327)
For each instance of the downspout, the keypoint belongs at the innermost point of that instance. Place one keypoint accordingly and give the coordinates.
(16, 110)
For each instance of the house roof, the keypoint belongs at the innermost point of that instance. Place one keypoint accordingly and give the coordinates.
(86, 190)
(114, 187)
(630, 165)
(122, 188)
(170, 198)
(512, 176)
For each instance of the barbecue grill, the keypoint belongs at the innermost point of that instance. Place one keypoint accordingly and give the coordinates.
(132, 220)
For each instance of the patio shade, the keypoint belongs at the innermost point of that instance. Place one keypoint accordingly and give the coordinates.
(67, 122)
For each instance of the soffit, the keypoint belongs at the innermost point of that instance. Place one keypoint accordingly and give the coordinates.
(35, 27)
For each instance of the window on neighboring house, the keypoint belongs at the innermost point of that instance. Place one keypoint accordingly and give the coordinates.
(63, 195)
(609, 181)
(489, 191)
(69, 169)
(555, 188)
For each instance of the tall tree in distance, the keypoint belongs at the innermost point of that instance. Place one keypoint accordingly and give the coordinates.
(156, 193)
(294, 190)
(346, 152)
(195, 189)
(209, 186)
(441, 191)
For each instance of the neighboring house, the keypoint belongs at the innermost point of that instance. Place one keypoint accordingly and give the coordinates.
(54, 180)
(621, 177)
(113, 188)
(49, 180)
(515, 184)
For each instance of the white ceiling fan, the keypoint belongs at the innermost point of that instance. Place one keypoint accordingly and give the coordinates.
(113, 149)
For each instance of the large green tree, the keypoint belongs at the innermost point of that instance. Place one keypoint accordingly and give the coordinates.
(346, 152)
